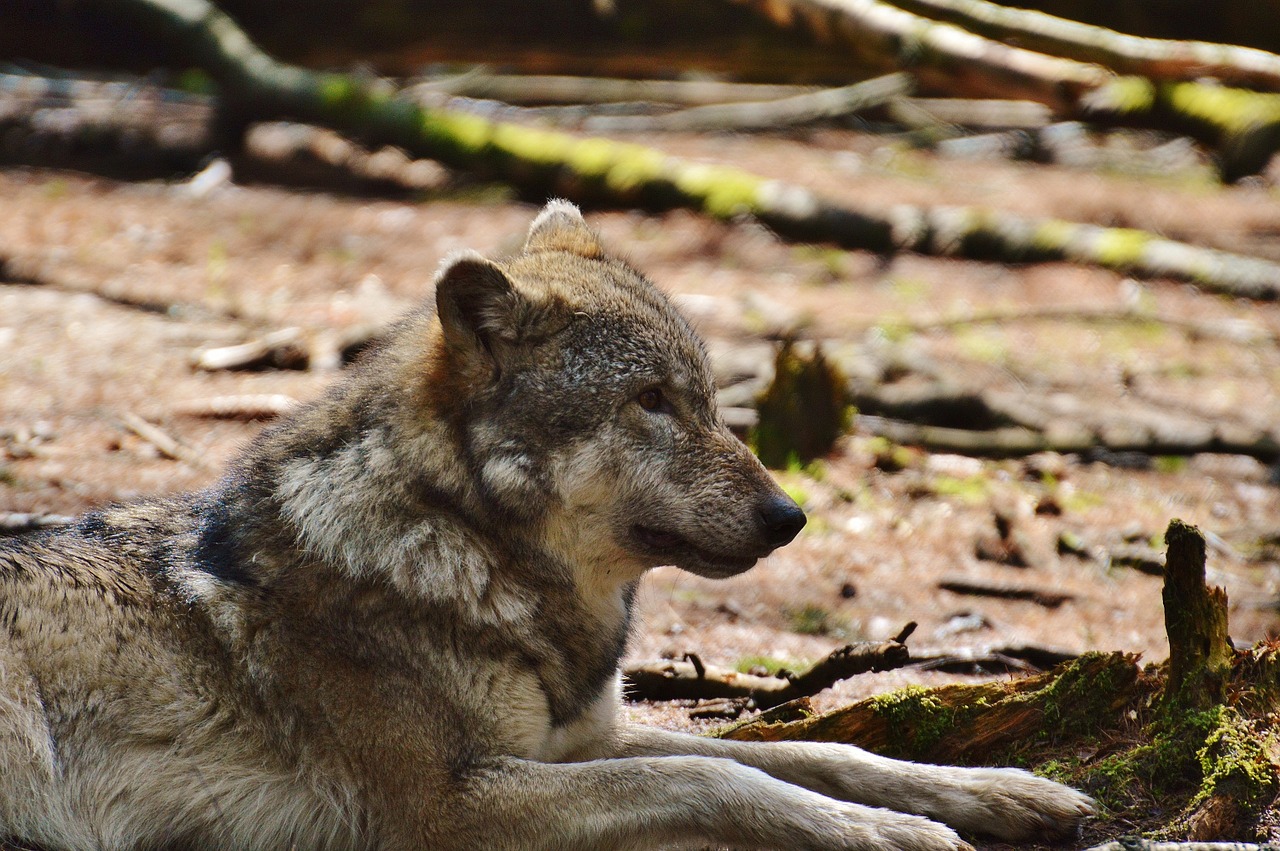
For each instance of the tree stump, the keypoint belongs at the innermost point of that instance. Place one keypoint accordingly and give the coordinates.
(1195, 619)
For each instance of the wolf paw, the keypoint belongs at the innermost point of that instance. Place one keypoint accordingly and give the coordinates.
(1012, 804)
(913, 833)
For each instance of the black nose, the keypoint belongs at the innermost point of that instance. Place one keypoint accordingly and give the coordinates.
(781, 520)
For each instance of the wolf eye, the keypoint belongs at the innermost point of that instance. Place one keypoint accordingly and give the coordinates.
(652, 400)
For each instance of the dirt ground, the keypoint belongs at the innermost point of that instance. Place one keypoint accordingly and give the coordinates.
(111, 288)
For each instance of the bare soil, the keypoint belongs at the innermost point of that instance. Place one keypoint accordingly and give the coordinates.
(133, 278)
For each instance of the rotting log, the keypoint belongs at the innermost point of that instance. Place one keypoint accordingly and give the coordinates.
(543, 162)
(967, 723)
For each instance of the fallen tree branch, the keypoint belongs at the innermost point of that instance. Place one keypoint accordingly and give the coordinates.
(17, 522)
(249, 406)
(1155, 58)
(689, 678)
(762, 115)
(1017, 442)
(1232, 330)
(1242, 124)
(536, 90)
(545, 162)
(1134, 843)
(1048, 599)
(943, 56)
(165, 443)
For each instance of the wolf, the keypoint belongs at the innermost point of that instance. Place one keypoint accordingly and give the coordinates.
(396, 621)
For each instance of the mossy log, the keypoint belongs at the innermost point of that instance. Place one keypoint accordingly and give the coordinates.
(543, 162)
(1243, 126)
(970, 723)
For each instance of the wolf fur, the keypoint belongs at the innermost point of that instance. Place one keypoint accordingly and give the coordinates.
(396, 622)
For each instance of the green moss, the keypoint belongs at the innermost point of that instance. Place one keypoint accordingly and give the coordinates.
(1235, 760)
(1127, 95)
(1232, 110)
(892, 457)
(971, 489)
(914, 708)
(1121, 247)
(1053, 235)
(725, 192)
(638, 167)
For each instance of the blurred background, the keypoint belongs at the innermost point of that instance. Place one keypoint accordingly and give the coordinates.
(1022, 277)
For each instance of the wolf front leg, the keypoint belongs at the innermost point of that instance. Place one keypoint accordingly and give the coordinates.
(1007, 803)
(647, 802)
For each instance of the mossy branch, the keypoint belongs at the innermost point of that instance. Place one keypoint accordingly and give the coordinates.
(544, 162)
(973, 62)
(1154, 58)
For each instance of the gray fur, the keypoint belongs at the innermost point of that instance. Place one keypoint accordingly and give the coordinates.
(396, 622)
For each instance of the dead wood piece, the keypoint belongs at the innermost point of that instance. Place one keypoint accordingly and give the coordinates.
(1142, 559)
(1017, 442)
(1243, 125)
(35, 271)
(984, 114)
(1231, 330)
(281, 349)
(804, 410)
(592, 169)
(959, 723)
(166, 444)
(132, 128)
(248, 406)
(884, 36)
(1158, 59)
(17, 522)
(990, 662)
(1195, 617)
(532, 89)
(1134, 843)
(690, 678)
(726, 708)
(762, 115)
(1048, 599)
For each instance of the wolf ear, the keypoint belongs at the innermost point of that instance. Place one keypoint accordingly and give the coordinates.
(560, 227)
(477, 303)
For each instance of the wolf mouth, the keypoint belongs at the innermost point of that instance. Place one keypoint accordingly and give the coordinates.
(671, 544)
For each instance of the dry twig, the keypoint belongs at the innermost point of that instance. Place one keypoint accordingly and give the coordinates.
(166, 444)
(689, 678)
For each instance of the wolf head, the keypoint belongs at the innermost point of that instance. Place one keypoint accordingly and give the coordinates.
(586, 408)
